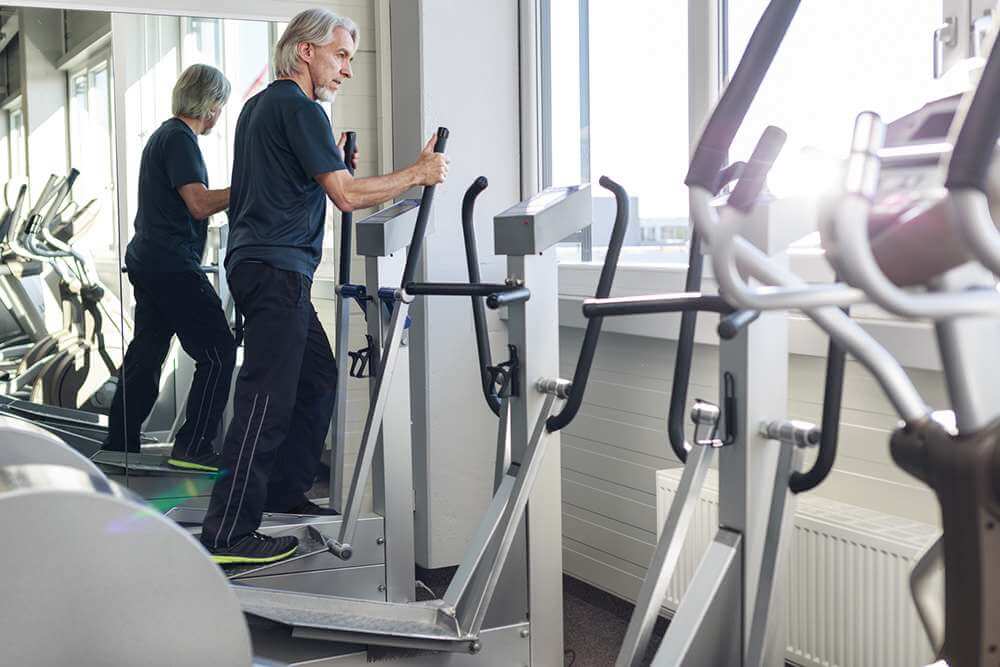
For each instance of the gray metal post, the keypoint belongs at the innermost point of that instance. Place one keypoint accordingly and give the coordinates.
(341, 346)
(392, 482)
(757, 361)
(534, 330)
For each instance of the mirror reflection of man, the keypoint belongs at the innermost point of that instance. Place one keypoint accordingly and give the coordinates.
(172, 294)
(286, 166)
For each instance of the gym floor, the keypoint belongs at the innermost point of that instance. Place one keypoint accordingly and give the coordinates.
(594, 622)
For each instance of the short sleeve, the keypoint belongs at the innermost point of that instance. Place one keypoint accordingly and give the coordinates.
(311, 139)
(184, 163)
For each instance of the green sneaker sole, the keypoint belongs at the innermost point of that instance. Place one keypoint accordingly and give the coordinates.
(188, 465)
(223, 559)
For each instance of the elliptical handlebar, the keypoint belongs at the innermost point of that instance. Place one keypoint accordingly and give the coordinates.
(347, 218)
(593, 332)
(977, 137)
(420, 229)
(833, 393)
(968, 167)
(719, 133)
(478, 313)
(754, 175)
(11, 225)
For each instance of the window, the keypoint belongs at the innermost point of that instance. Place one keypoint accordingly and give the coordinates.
(90, 152)
(201, 42)
(18, 158)
(615, 90)
(241, 50)
(837, 60)
(616, 105)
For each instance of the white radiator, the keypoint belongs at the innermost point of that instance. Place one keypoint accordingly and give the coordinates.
(848, 590)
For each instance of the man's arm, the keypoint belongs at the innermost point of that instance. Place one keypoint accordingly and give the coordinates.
(202, 202)
(349, 193)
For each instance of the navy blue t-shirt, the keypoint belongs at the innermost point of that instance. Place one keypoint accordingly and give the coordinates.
(167, 237)
(276, 208)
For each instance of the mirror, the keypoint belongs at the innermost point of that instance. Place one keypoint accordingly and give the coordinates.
(183, 343)
(83, 95)
(61, 331)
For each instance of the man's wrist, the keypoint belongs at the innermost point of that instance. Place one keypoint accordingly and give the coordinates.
(412, 176)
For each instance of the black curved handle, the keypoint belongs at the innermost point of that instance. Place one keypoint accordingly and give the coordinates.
(729, 113)
(754, 176)
(583, 364)
(731, 325)
(347, 218)
(977, 138)
(420, 229)
(685, 353)
(478, 312)
(833, 393)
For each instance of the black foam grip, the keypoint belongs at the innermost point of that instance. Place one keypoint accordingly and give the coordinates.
(977, 139)
(656, 304)
(455, 289)
(731, 325)
(729, 113)
(350, 149)
(347, 219)
(420, 229)
(751, 182)
(507, 297)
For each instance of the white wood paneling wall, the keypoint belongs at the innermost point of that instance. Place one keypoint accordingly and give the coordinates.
(612, 450)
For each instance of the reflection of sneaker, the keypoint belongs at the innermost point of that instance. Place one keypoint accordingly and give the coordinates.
(209, 462)
(307, 507)
(255, 548)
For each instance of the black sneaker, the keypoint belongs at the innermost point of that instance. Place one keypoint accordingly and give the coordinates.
(308, 507)
(255, 548)
(208, 462)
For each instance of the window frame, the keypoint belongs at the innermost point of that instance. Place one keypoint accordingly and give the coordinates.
(100, 59)
(12, 107)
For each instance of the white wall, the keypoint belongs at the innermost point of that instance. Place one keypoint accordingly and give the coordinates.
(81, 26)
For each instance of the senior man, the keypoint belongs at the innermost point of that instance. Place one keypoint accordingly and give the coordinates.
(286, 165)
(172, 294)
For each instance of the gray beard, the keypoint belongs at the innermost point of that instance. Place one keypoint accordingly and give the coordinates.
(324, 94)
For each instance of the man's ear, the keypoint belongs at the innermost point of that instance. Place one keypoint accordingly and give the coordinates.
(305, 51)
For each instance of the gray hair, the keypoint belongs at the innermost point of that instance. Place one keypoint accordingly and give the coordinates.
(313, 26)
(198, 90)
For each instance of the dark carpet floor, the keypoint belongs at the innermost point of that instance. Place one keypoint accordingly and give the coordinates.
(594, 622)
